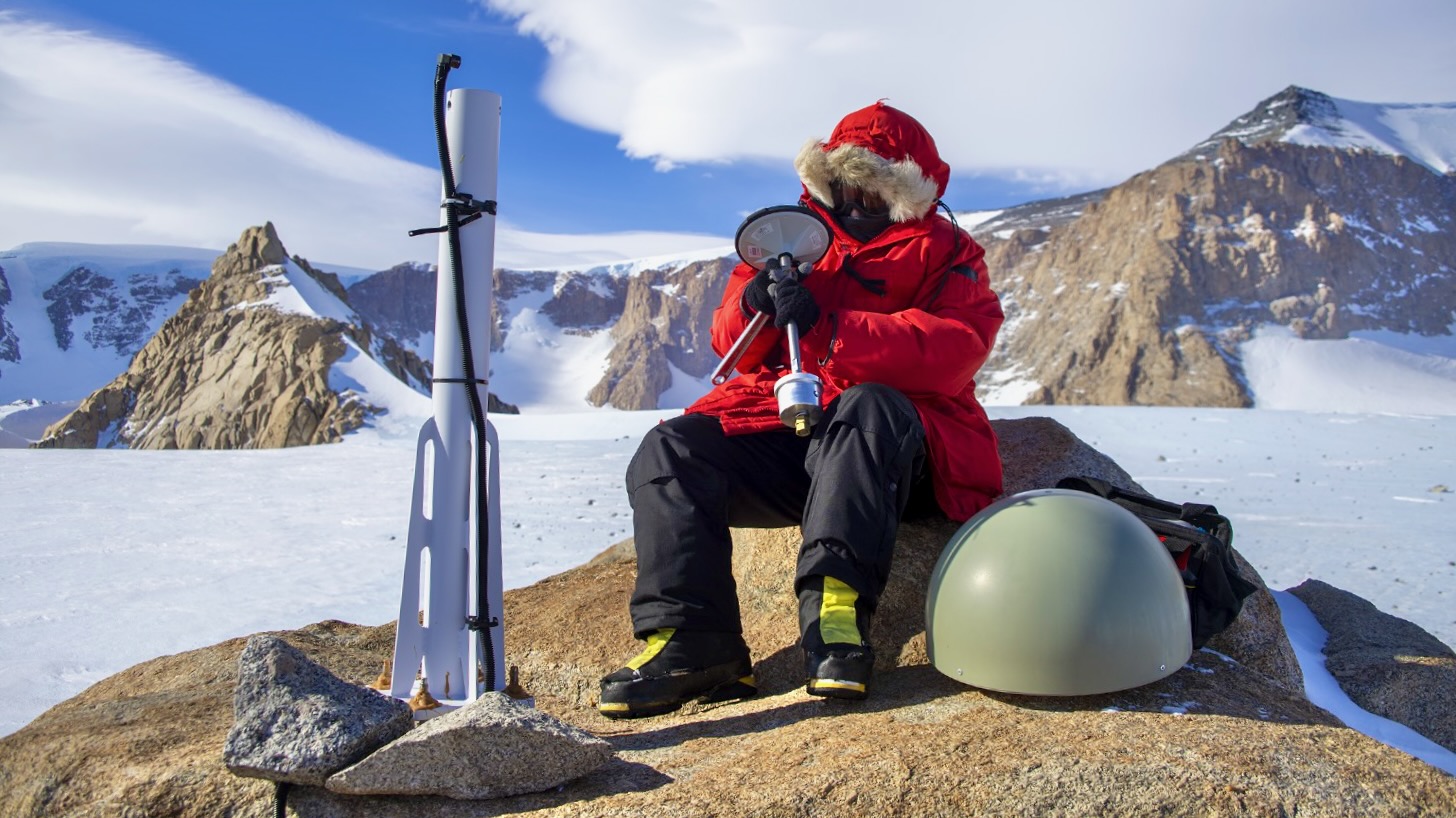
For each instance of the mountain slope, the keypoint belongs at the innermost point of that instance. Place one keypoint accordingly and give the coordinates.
(1147, 294)
(1424, 133)
(630, 336)
(265, 353)
(72, 315)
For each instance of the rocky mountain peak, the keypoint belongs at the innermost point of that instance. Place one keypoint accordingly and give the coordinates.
(257, 247)
(1421, 132)
(246, 362)
(1273, 119)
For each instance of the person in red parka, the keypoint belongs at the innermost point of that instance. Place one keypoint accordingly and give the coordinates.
(895, 320)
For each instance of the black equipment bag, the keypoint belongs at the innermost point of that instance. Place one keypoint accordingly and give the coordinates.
(1200, 541)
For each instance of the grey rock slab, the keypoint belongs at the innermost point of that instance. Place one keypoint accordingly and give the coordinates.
(1387, 665)
(295, 721)
(490, 748)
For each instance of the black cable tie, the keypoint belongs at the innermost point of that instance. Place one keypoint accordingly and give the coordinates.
(474, 623)
(469, 204)
(470, 209)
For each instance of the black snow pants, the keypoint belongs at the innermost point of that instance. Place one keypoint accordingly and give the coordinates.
(846, 486)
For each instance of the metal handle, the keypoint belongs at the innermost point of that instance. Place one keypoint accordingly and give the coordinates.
(796, 363)
(725, 367)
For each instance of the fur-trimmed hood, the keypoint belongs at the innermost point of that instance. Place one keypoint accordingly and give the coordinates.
(879, 149)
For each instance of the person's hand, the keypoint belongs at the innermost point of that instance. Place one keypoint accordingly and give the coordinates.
(793, 302)
(756, 295)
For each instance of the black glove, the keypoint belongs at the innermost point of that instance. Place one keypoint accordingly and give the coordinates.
(756, 295)
(793, 302)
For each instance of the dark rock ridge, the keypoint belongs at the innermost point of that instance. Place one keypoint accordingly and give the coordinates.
(398, 302)
(9, 344)
(657, 317)
(666, 319)
(1273, 119)
(119, 320)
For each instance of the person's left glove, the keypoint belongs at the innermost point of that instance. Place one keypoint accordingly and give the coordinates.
(794, 302)
(757, 296)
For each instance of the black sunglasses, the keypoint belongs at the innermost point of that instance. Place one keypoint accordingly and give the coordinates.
(848, 199)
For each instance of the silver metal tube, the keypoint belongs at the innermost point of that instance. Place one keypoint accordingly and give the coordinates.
(796, 363)
(730, 360)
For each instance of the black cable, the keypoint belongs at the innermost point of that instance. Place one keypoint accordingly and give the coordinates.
(955, 248)
(482, 621)
(280, 798)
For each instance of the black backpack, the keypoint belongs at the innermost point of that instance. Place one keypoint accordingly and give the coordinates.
(1200, 541)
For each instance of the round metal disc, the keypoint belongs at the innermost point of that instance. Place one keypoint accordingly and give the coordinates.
(773, 231)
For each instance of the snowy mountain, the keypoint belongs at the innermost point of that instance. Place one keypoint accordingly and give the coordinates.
(72, 315)
(1424, 133)
(630, 335)
(264, 353)
(1286, 222)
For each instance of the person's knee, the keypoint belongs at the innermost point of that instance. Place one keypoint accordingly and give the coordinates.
(663, 448)
(867, 404)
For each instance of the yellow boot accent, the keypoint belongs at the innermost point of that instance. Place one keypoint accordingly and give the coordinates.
(837, 621)
(656, 641)
(819, 686)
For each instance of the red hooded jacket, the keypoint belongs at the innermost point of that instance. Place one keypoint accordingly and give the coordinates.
(912, 308)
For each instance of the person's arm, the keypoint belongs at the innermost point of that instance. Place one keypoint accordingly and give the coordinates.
(731, 318)
(935, 347)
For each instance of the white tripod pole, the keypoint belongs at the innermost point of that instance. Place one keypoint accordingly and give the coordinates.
(440, 593)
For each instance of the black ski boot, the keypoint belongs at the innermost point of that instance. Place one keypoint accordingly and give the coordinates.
(835, 638)
(678, 667)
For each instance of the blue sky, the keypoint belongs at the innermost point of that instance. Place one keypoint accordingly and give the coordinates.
(184, 122)
(365, 68)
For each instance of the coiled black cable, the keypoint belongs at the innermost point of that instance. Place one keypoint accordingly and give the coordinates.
(482, 621)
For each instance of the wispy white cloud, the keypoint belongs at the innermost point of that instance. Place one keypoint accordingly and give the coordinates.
(524, 249)
(141, 148)
(1081, 93)
(106, 142)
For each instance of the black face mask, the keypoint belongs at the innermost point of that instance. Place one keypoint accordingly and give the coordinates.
(863, 227)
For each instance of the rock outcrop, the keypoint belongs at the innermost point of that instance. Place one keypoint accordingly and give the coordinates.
(399, 303)
(1231, 733)
(1386, 665)
(295, 722)
(233, 370)
(665, 321)
(118, 319)
(9, 343)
